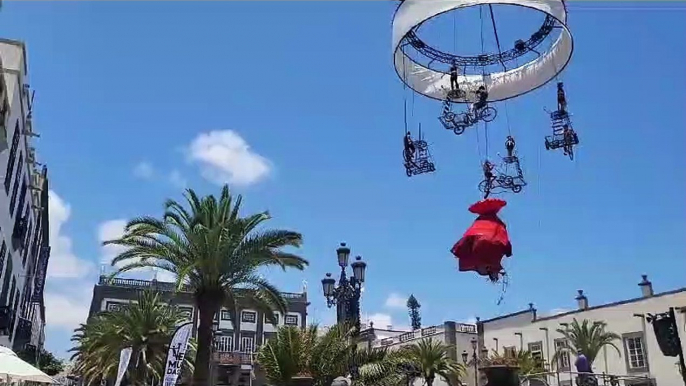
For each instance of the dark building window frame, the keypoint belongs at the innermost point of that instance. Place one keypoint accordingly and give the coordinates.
(7, 278)
(290, 320)
(15, 188)
(248, 317)
(277, 318)
(12, 157)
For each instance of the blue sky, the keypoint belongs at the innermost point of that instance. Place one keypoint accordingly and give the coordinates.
(135, 100)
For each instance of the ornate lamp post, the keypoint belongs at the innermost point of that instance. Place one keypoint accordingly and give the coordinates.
(346, 295)
(474, 361)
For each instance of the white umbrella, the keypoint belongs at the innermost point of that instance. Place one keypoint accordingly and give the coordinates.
(14, 369)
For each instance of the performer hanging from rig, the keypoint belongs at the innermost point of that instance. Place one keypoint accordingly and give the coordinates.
(510, 145)
(488, 176)
(568, 139)
(454, 86)
(409, 147)
(561, 98)
(482, 97)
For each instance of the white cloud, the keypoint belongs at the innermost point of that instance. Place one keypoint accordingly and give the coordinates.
(144, 170)
(396, 301)
(66, 311)
(380, 320)
(177, 179)
(225, 157)
(63, 261)
(110, 230)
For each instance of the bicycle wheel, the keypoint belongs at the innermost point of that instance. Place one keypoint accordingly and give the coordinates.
(408, 172)
(449, 116)
(458, 130)
(517, 188)
(484, 186)
(488, 114)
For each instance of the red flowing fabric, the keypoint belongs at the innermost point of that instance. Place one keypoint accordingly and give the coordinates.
(486, 242)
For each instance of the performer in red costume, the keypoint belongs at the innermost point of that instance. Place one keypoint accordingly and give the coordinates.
(486, 242)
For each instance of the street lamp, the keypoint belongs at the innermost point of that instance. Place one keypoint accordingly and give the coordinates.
(346, 294)
(475, 360)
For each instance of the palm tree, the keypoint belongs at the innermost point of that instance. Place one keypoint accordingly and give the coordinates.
(430, 359)
(528, 367)
(295, 352)
(587, 337)
(146, 326)
(216, 254)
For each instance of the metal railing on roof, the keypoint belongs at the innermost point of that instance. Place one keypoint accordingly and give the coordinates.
(167, 287)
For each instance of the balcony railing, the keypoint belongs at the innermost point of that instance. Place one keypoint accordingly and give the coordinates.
(169, 287)
(423, 333)
(233, 358)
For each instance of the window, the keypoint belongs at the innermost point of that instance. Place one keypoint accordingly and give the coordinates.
(563, 362)
(3, 252)
(510, 351)
(246, 344)
(291, 320)
(12, 289)
(226, 315)
(15, 189)
(187, 312)
(25, 253)
(268, 337)
(536, 350)
(634, 350)
(115, 306)
(11, 159)
(276, 318)
(14, 314)
(248, 317)
(8, 277)
(225, 343)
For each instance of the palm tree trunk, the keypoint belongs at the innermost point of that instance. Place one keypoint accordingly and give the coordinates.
(201, 375)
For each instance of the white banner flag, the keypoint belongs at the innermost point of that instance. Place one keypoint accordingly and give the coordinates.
(124, 358)
(176, 353)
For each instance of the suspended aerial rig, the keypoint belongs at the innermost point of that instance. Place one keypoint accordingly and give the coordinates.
(478, 83)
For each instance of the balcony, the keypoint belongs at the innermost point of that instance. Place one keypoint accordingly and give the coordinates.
(233, 358)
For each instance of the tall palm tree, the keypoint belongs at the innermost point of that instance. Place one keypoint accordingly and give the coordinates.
(431, 359)
(216, 253)
(587, 337)
(146, 326)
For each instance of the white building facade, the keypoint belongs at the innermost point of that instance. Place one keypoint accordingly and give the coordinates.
(639, 361)
(24, 241)
(457, 336)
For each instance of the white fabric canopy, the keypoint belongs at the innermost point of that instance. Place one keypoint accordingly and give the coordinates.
(15, 369)
(501, 85)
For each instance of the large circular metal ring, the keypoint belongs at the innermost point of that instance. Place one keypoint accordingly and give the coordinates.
(500, 85)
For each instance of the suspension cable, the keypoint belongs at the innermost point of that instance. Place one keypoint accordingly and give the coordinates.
(497, 40)
(405, 95)
(483, 71)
